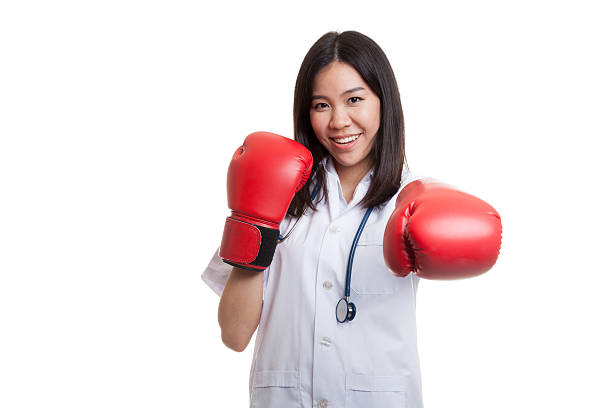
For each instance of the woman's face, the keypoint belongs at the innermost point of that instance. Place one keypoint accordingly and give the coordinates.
(345, 115)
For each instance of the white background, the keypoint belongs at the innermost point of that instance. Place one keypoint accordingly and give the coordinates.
(117, 122)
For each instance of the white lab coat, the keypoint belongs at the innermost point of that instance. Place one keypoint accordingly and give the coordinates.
(303, 357)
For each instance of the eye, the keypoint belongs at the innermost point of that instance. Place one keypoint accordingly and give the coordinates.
(355, 99)
(320, 106)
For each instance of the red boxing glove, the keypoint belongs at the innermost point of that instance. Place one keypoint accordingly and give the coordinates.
(263, 176)
(439, 232)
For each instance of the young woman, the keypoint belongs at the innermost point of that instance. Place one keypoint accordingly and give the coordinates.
(336, 325)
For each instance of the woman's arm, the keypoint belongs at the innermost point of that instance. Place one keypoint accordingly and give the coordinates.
(240, 308)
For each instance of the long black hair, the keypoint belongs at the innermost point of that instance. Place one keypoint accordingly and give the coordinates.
(369, 60)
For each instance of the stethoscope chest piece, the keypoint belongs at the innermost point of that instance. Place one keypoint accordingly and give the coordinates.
(345, 310)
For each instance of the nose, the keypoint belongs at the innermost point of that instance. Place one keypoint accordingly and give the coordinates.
(340, 119)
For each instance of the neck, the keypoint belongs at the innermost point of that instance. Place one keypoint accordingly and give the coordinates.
(350, 177)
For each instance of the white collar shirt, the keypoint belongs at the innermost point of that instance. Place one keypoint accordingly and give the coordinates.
(303, 357)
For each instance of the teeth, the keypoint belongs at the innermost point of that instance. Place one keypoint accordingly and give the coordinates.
(347, 139)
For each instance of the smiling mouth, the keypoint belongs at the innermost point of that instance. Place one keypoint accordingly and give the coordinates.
(348, 139)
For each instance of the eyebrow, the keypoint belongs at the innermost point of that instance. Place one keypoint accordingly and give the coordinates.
(359, 88)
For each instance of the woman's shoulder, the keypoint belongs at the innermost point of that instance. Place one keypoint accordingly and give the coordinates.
(408, 177)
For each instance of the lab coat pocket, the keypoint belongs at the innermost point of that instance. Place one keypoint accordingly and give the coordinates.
(370, 275)
(275, 389)
(371, 391)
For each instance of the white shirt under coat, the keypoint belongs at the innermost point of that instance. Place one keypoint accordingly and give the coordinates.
(303, 357)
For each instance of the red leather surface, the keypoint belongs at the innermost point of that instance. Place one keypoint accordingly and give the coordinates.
(264, 175)
(440, 232)
(240, 243)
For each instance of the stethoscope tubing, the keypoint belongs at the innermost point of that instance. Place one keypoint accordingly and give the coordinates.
(349, 267)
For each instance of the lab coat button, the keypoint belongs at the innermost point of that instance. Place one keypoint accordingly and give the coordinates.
(328, 285)
(322, 403)
(326, 341)
(334, 228)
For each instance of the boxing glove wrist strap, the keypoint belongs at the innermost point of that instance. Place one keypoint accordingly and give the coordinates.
(247, 245)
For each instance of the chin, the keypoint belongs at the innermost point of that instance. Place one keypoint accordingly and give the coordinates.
(347, 163)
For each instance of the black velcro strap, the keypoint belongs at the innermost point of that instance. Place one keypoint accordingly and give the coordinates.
(269, 239)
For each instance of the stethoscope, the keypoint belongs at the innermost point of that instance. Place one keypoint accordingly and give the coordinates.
(345, 309)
